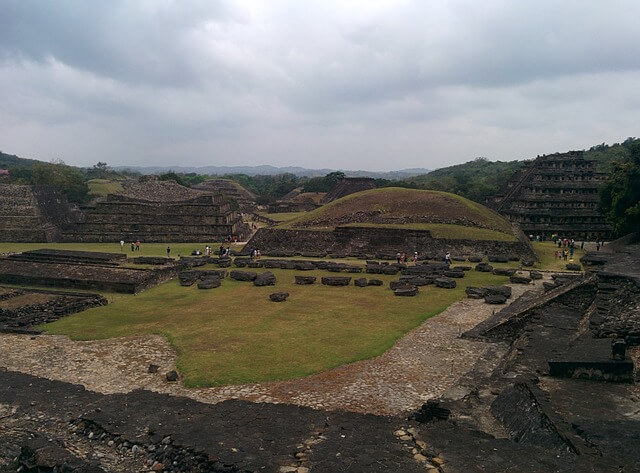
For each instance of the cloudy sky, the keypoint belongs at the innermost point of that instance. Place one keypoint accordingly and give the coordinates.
(370, 84)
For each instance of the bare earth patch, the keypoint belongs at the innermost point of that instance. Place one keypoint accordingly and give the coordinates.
(422, 365)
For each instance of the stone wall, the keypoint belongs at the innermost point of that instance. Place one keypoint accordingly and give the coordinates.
(31, 214)
(206, 218)
(347, 186)
(359, 241)
(61, 304)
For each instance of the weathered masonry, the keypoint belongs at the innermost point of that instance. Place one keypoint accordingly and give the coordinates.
(231, 191)
(198, 219)
(31, 214)
(555, 194)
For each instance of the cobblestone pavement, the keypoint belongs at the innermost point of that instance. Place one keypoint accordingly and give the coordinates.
(421, 366)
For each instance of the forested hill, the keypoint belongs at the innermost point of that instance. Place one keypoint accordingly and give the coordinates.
(481, 178)
(475, 180)
(10, 161)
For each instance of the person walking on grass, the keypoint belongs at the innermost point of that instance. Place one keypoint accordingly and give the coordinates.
(168, 251)
(121, 245)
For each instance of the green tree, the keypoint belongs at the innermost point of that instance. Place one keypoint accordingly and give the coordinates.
(620, 196)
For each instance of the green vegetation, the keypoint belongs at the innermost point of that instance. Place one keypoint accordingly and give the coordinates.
(545, 251)
(407, 206)
(235, 334)
(620, 196)
(284, 216)
(323, 184)
(606, 155)
(102, 187)
(475, 180)
(146, 249)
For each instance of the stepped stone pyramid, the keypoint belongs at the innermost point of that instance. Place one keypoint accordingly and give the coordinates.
(157, 211)
(31, 214)
(555, 194)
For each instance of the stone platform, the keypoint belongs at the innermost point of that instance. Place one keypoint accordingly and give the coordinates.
(81, 270)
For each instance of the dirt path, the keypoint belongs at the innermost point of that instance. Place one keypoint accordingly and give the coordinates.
(422, 365)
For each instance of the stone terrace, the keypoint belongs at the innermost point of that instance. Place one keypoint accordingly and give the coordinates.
(80, 270)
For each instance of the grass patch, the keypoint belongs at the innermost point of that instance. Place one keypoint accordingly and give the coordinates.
(283, 217)
(102, 187)
(545, 250)
(234, 334)
(146, 249)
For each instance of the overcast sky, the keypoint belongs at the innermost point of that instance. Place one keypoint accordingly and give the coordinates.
(369, 84)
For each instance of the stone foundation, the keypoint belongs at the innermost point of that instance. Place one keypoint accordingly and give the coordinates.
(360, 241)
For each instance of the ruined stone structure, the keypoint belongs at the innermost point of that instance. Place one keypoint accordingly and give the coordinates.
(297, 201)
(555, 194)
(381, 242)
(31, 214)
(197, 219)
(81, 270)
(232, 191)
(349, 185)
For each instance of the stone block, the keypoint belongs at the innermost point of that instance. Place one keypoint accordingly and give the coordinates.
(484, 267)
(406, 291)
(574, 267)
(336, 280)
(446, 283)
(210, 283)
(279, 296)
(516, 279)
(504, 271)
(265, 279)
(374, 282)
(360, 282)
(495, 299)
(535, 275)
(302, 280)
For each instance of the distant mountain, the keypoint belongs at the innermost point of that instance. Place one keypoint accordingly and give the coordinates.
(266, 170)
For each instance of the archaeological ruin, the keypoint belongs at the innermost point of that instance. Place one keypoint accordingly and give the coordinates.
(82, 270)
(347, 186)
(231, 191)
(382, 222)
(32, 214)
(555, 194)
(156, 211)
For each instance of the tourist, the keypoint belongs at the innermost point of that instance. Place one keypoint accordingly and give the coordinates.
(137, 245)
(415, 258)
(447, 258)
(121, 245)
(235, 240)
(565, 253)
(133, 246)
(258, 254)
(398, 255)
(597, 245)
(168, 251)
(571, 250)
(403, 257)
(221, 251)
(582, 245)
(556, 255)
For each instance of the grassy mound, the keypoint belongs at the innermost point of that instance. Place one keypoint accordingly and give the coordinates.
(446, 215)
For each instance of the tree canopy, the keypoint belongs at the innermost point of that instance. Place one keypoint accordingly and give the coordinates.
(620, 196)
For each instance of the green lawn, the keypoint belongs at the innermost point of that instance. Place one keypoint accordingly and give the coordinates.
(545, 252)
(235, 334)
(101, 187)
(282, 217)
(146, 249)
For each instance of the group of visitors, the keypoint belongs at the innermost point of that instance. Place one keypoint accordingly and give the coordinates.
(254, 254)
(135, 246)
(401, 258)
